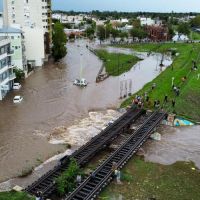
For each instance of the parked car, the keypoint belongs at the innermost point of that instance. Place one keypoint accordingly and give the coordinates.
(17, 99)
(16, 86)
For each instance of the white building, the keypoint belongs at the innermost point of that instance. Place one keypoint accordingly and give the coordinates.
(34, 45)
(17, 46)
(146, 21)
(69, 19)
(33, 17)
(6, 69)
(32, 13)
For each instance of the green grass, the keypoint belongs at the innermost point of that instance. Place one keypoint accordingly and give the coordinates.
(194, 35)
(14, 196)
(187, 104)
(144, 180)
(113, 60)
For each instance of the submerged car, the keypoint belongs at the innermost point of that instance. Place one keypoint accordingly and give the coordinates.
(17, 99)
(82, 82)
(16, 86)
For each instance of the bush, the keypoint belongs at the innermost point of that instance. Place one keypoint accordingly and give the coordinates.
(19, 74)
(67, 181)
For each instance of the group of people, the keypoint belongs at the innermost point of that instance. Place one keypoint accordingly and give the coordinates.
(138, 101)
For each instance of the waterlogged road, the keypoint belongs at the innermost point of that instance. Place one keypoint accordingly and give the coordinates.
(51, 100)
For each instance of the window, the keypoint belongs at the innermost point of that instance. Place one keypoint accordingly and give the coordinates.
(2, 50)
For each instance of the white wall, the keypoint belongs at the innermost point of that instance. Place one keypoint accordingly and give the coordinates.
(26, 14)
(34, 44)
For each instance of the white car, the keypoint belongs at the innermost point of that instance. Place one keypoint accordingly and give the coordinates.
(17, 99)
(16, 86)
(81, 82)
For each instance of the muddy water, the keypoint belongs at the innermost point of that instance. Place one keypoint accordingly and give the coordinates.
(177, 144)
(51, 100)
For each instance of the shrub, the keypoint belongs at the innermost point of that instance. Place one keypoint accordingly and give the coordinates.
(67, 181)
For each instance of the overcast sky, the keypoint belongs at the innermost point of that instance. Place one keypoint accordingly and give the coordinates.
(127, 5)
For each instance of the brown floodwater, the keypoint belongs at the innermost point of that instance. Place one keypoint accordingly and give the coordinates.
(51, 100)
(177, 144)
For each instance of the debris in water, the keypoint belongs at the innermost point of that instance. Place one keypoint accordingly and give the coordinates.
(156, 136)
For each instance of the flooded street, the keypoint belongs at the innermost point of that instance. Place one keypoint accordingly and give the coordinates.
(51, 100)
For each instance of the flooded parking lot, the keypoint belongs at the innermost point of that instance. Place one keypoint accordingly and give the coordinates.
(51, 100)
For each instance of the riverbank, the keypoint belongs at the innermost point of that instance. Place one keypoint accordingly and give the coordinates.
(187, 103)
(116, 63)
(145, 180)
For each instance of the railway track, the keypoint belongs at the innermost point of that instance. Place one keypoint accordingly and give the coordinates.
(46, 184)
(90, 188)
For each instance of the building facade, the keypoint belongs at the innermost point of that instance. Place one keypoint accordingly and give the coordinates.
(6, 69)
(31, 16)
(16, 37)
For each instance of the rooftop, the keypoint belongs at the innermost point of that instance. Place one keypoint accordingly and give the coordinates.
(10, 30)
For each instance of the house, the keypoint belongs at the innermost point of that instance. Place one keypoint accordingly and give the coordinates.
(146, 21)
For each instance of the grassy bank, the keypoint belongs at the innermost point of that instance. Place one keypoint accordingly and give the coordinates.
(144, 180)
(14, 196)
(187, 104)
(194, 35)
(116, 64)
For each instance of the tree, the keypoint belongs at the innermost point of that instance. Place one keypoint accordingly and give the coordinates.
(90, 32)
(171, 31)
(123, 35)
(183, 28)
(59, 49)
(136, 23)
(19, 74)
(115, 33)
(101, 32)
(138, 32)
(67, 180)
(196, 21)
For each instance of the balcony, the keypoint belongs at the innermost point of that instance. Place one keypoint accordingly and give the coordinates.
(12, 77)
(10, 53)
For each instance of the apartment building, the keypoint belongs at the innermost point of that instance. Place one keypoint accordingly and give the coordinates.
(16, 37)
(6, 69)
(32, 16)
